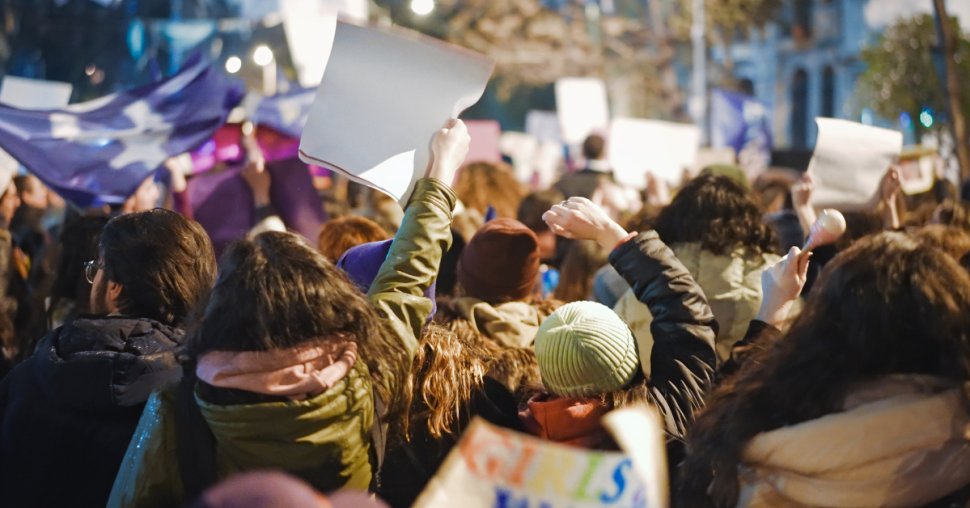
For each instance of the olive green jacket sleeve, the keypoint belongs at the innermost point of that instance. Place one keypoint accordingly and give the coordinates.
(412, 264)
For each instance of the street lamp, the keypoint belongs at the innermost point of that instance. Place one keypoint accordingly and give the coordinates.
(233, 64)
(263, 56)
(422, 7)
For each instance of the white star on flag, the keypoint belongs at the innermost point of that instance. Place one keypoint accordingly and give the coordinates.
(141, 143)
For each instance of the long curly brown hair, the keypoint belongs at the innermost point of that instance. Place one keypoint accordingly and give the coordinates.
(887, 305)
(446, 371)
(719, 214)
(484, 184)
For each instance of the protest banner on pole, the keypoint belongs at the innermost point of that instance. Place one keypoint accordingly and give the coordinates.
(493, 467)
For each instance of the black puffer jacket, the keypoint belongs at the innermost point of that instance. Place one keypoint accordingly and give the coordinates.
(68, 412)
(682, 362)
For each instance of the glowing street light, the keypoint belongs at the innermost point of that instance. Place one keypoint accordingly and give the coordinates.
(422, 7)
(263, 56)
(233, 64)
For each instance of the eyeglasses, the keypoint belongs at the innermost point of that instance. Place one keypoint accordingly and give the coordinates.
(91, 269)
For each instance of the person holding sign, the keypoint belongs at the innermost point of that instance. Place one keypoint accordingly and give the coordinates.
(290, 366)
(588, 356)
(860, 403)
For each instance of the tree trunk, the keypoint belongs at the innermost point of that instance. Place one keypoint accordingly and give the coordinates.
(958, 123)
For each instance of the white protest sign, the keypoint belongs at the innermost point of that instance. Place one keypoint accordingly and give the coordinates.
(582, 107)
(522, 148)
(27, 93)
(849, 160)
(544, 125)
(497, 468)
(665, 149)
(309, 26)
(639, 432)
(383, 97)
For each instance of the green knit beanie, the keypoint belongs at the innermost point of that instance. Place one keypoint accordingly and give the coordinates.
(585, 349)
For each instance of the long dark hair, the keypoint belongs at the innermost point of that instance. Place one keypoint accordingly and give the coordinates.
(887, 305)
(716, 212)
(276, 292)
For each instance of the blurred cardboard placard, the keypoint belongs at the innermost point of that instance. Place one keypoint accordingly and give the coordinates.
(25, 93)
(665, 149)
(707, 157)
(917, 169)
(383, 97)
(850, 159)
(493, 467)
(582, 108)
(485, 136)
(522, 148)
(309, 27)
(544, 125)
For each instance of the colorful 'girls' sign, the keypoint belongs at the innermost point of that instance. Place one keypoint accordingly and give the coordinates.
(497, 468)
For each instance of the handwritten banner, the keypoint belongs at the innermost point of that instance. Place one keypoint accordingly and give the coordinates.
(497, 468)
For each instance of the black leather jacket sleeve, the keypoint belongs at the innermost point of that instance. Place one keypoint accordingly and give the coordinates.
(683, 327)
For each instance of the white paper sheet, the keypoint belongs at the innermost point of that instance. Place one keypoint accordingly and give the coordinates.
(309, 26)
(582, 107)
(25, 93)
(665, 149)
(382, 99)
(849, 160)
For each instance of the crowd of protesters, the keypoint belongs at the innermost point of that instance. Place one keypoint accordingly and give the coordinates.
(140, 371)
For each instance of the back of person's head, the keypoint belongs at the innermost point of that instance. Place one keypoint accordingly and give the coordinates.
(887, 305)
(729, 170)
(275, 292)
(774, 197)
(273, 489)
(593, 147)
(339, 235)
(163, 261)
(79, 244)
(31, 190)
(484, 184)
(953, 213)
(447, 281)
(535, 205)
(952, 240)
(576, 277)
(501, 262)
(584, 349)
(718, 213)
(858, 225)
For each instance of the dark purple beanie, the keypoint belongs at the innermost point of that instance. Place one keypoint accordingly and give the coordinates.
(361, 264)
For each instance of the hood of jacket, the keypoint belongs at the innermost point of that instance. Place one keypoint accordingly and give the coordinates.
(901, 441)
(106, 361)
(567, 420)
(511, 324)
(324, 440)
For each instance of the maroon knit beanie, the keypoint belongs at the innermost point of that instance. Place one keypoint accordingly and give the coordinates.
(500, 263)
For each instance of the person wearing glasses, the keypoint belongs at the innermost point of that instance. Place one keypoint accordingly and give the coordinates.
(68, 412)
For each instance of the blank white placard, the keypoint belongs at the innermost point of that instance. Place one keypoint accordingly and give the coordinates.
(665, 149)
(850, 159)
(25, 93)
(383, 97)
(582, 107)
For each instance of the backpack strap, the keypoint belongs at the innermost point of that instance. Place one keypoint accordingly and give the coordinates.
(195, 444)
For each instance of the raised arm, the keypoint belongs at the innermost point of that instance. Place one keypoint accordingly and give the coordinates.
(424, 236)
(683, 327)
